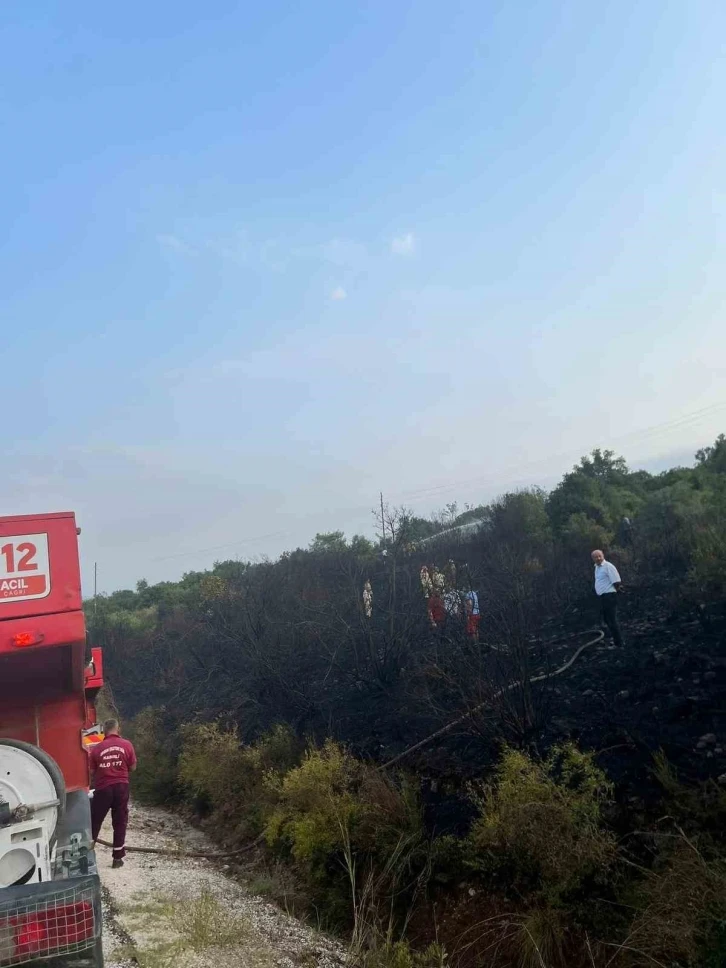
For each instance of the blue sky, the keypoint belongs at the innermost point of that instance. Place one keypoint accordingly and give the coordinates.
(262, 261)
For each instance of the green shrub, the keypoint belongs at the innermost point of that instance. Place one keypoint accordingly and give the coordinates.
(667, 526)
(155, 742)
(707, 574)
(317, 809)
(540, 822)
(356, 835)
(211, 765)
(581, 534)
(221, 775)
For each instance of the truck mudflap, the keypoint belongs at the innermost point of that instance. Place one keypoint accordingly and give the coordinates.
(55, 923)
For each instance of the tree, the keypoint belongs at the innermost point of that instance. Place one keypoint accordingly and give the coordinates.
(328, 541)
(520, 518)
(713, 458)
(601, 487)
(361, 546)
(603, 465)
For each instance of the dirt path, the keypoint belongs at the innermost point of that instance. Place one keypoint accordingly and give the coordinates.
(164, 912)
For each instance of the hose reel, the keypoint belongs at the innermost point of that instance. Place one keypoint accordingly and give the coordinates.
(32, 802)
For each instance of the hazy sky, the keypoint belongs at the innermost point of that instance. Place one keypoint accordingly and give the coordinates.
(263, 260)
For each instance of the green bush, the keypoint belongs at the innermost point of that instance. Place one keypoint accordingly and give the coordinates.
(581, 535)
(211, 766)
(668, 524)
(540, 822)
(356, 835)
(707, 574)
(156, 745)
(235, 782)
(318, 808)
(333, 802)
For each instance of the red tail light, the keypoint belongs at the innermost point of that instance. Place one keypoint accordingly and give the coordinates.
(46, 932)
(23, 639)
(30, 937)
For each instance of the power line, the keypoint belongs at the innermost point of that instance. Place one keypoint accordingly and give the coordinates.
(231, 544)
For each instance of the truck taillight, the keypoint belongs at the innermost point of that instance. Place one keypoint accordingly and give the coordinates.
(47, 931)
(22, 640)
(30, 937)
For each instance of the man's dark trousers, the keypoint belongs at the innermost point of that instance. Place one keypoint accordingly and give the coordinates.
(609, 612)
(116, 799)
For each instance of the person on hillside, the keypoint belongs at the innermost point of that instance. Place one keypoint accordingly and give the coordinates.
(625, 532)
(607, 587)
(471, 606)
(436, 610)
(111, 761)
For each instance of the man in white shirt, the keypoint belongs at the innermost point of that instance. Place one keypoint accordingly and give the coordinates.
(607, 586)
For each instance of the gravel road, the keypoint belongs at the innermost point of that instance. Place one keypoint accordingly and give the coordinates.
(167, 912)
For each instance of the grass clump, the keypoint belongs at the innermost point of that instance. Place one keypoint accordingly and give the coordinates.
(399, 954)
(205, 923)
(683, 911)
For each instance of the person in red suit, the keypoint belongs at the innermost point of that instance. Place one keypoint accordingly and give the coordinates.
(112, 760)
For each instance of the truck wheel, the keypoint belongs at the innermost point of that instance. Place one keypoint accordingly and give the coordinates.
(51, 768)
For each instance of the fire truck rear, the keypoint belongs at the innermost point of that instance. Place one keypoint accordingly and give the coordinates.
(50, 895)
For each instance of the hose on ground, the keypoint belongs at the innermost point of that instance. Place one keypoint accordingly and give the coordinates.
(168, 852)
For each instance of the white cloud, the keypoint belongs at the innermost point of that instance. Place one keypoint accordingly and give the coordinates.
(403, 244)
(338, 293)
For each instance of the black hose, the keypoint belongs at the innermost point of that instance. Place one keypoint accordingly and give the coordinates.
(166, 852)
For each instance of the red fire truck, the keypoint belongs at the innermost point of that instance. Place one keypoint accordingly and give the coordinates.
(50, 895)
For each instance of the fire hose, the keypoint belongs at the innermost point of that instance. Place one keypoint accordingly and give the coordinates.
(169, 852)
(431, 738)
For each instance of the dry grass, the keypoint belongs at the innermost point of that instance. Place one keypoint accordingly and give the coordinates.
(684, 904)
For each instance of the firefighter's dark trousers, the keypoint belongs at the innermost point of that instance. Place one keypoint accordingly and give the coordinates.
(609, 614)
(116, 799)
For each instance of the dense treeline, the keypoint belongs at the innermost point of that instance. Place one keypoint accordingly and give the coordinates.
(265, 694)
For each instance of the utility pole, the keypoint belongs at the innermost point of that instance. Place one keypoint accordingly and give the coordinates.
(95, 590)
(383, 521)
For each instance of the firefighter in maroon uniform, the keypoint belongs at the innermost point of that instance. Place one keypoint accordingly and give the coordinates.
(111, 762)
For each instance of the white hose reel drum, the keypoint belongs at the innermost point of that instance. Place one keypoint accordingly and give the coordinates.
(29, 779)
